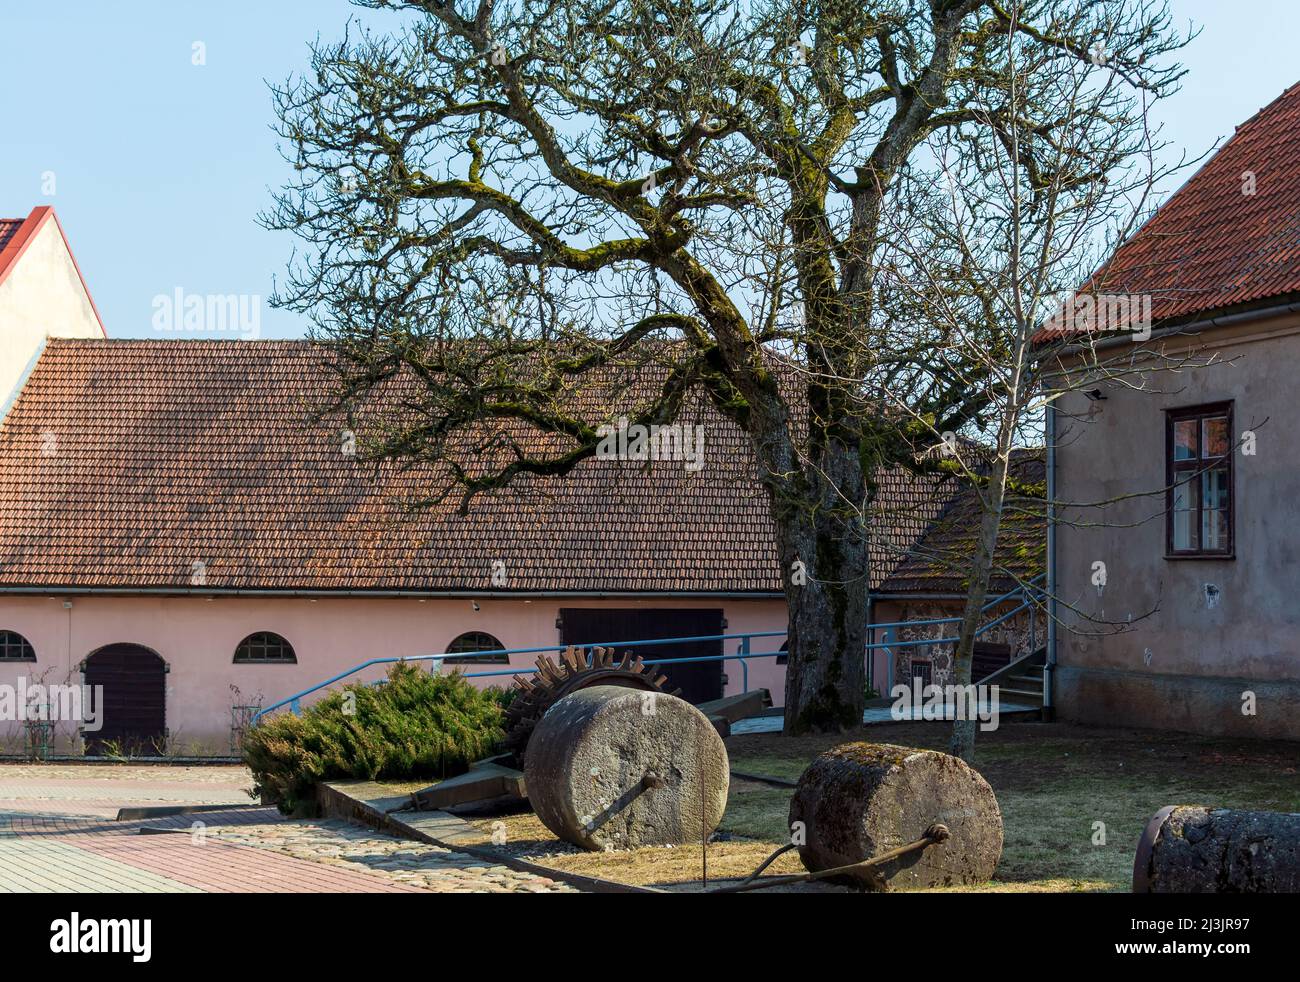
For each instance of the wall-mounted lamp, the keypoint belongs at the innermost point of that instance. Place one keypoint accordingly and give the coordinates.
(1095, 396)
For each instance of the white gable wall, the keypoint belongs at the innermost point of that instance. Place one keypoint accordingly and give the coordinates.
(42, 296)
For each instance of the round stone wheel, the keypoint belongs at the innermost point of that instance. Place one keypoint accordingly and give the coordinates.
(613, 768)
(1194, 849)
(860, 800)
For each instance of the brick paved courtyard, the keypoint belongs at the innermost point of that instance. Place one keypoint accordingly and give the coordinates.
(57, 835)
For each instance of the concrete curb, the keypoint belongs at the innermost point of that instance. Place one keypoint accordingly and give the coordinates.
(133, 761)
(162, 811)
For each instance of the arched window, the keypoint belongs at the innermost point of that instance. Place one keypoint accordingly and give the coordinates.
(472, 641)
(265, 648)
(15, 647)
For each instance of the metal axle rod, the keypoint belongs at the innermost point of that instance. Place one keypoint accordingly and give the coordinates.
(934, 835)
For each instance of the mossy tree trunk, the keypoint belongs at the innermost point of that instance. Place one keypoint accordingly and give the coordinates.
(826, 573)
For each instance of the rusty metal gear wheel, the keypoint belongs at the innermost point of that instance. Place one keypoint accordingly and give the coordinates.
(573, 671)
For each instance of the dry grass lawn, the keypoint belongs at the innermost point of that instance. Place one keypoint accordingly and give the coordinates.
(1054, 783)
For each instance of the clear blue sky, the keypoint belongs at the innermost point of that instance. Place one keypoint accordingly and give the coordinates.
(162, 166)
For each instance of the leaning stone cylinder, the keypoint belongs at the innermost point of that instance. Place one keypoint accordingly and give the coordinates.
(860, 800)
(1194, 849)
(615, 768)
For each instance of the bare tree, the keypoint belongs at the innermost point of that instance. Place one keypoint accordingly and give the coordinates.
(504, 200)
(1000, 263)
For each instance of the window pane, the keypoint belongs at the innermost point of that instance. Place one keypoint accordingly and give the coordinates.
(264, 646)
(1185, 439)
(472, 641)
(15, 647)
(1214, 517)
(1214, 530)
(1214, 436)
(1185, 531)
(1214, 488)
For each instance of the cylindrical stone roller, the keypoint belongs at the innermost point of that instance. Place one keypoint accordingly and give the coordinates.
(860, 800)
(1193, 849)
(612, 767)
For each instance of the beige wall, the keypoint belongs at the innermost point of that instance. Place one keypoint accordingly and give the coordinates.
(1149, 648)
(42, 296)
(197, 638)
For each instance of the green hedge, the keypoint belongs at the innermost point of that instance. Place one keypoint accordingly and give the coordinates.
(414, 726)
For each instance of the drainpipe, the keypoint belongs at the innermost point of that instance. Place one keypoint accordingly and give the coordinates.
(1049, 434)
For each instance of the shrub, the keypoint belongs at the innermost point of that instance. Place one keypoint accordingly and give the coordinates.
(415, 725)
(504, 697)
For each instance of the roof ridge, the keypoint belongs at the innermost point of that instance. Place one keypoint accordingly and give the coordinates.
(1263, 109)
(122, 341)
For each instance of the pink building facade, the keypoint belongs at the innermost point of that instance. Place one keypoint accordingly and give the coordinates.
(196, 637)
(177, 527)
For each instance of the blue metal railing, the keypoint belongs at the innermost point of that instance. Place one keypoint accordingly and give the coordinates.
(294, 700)
(1031, 594)
(743, 654)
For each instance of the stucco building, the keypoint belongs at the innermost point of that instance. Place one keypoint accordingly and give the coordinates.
(1175, 552)
(177, 525)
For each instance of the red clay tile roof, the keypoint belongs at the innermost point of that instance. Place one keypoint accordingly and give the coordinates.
(939, 562)
(8, 228)
(1212, 246)
(124, 463)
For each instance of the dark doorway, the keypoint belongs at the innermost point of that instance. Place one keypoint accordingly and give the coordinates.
(699, 681)
(988, 658)
(923, 670)
(134, 707)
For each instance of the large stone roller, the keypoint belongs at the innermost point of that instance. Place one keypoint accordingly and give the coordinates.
(1194, 849)
(861, 800)
(615, 768)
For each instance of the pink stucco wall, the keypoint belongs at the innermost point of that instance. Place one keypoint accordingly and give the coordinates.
(197, 638)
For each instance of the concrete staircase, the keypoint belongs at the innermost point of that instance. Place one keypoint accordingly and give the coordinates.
(1021, 681)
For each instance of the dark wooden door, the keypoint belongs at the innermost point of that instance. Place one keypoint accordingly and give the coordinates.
(134, 707)
(699, 681)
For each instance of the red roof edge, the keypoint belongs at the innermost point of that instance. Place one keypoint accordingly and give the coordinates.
(24, 237)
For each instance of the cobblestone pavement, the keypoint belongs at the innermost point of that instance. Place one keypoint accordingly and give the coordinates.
(55, 837)
(429, 867)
